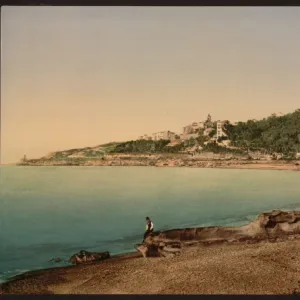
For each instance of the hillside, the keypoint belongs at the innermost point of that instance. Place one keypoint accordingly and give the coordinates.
(75, 156)
(279, 134)
(270, 136)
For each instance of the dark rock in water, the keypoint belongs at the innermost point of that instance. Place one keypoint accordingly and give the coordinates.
(56, 259)
(273, 226)
(85, 256)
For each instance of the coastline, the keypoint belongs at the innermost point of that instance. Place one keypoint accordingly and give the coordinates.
(175, 161)
(261, 257)
(262, 268)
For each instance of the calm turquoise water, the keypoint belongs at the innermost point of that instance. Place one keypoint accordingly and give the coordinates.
(51, 212)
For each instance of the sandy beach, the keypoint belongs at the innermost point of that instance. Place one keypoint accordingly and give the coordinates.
(263, 268)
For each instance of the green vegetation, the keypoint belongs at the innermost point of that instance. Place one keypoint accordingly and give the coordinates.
(59, 156)
(212, 133)
(272, 134)
(215, 148)
(191, 142)
(92, 153)
(142, 146)
(201, 139)
(175, 149)
(269, 135)
(109, 147)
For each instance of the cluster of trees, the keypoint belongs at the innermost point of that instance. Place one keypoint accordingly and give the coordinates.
(272, 134)
(142, 146)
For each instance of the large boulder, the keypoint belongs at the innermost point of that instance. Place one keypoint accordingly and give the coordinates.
(271, 226)
(85, 256)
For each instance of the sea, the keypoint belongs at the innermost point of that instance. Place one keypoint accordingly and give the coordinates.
(50, 212)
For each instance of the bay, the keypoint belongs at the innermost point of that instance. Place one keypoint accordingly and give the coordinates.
(48, 212)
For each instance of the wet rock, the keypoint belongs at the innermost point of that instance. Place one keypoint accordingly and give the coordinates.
(56, 260)
(85, 256)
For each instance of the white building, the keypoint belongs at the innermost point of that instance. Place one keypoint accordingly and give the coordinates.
(187, 129)
(145, 137)
(188, 136)
(164, 135)
(220, 132)
(191, 128)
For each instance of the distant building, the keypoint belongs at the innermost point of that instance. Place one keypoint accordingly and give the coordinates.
(208, 122)
(172, 136)
(188, 129)
(220, 132)
(164, 135)
(192, 128)
(145, 137)
(24, 158)
(158, 136)
(197, 125)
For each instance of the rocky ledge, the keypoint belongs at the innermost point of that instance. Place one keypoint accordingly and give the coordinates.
(274, 226)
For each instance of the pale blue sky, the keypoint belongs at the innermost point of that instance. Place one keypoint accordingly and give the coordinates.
(81, 76)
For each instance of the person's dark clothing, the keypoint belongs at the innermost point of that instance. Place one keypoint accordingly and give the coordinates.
(149, 228)
(147, 233)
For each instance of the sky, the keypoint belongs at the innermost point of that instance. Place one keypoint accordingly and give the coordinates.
(81, 76)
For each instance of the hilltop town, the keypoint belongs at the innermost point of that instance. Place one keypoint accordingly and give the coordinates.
(212, 131)
(207, 143)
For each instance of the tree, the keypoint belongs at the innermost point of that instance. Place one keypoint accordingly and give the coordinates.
(272, 134)
(212, 133)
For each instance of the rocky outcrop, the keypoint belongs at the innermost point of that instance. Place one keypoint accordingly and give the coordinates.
(85, 256)
(160, 249)
(274, 226)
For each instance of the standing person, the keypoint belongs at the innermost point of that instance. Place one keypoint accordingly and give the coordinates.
(149, 227)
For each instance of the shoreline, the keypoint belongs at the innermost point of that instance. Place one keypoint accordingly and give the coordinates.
(30, 273)
(36, 272)
(261, 257)
(179, 163)
(260, 268)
